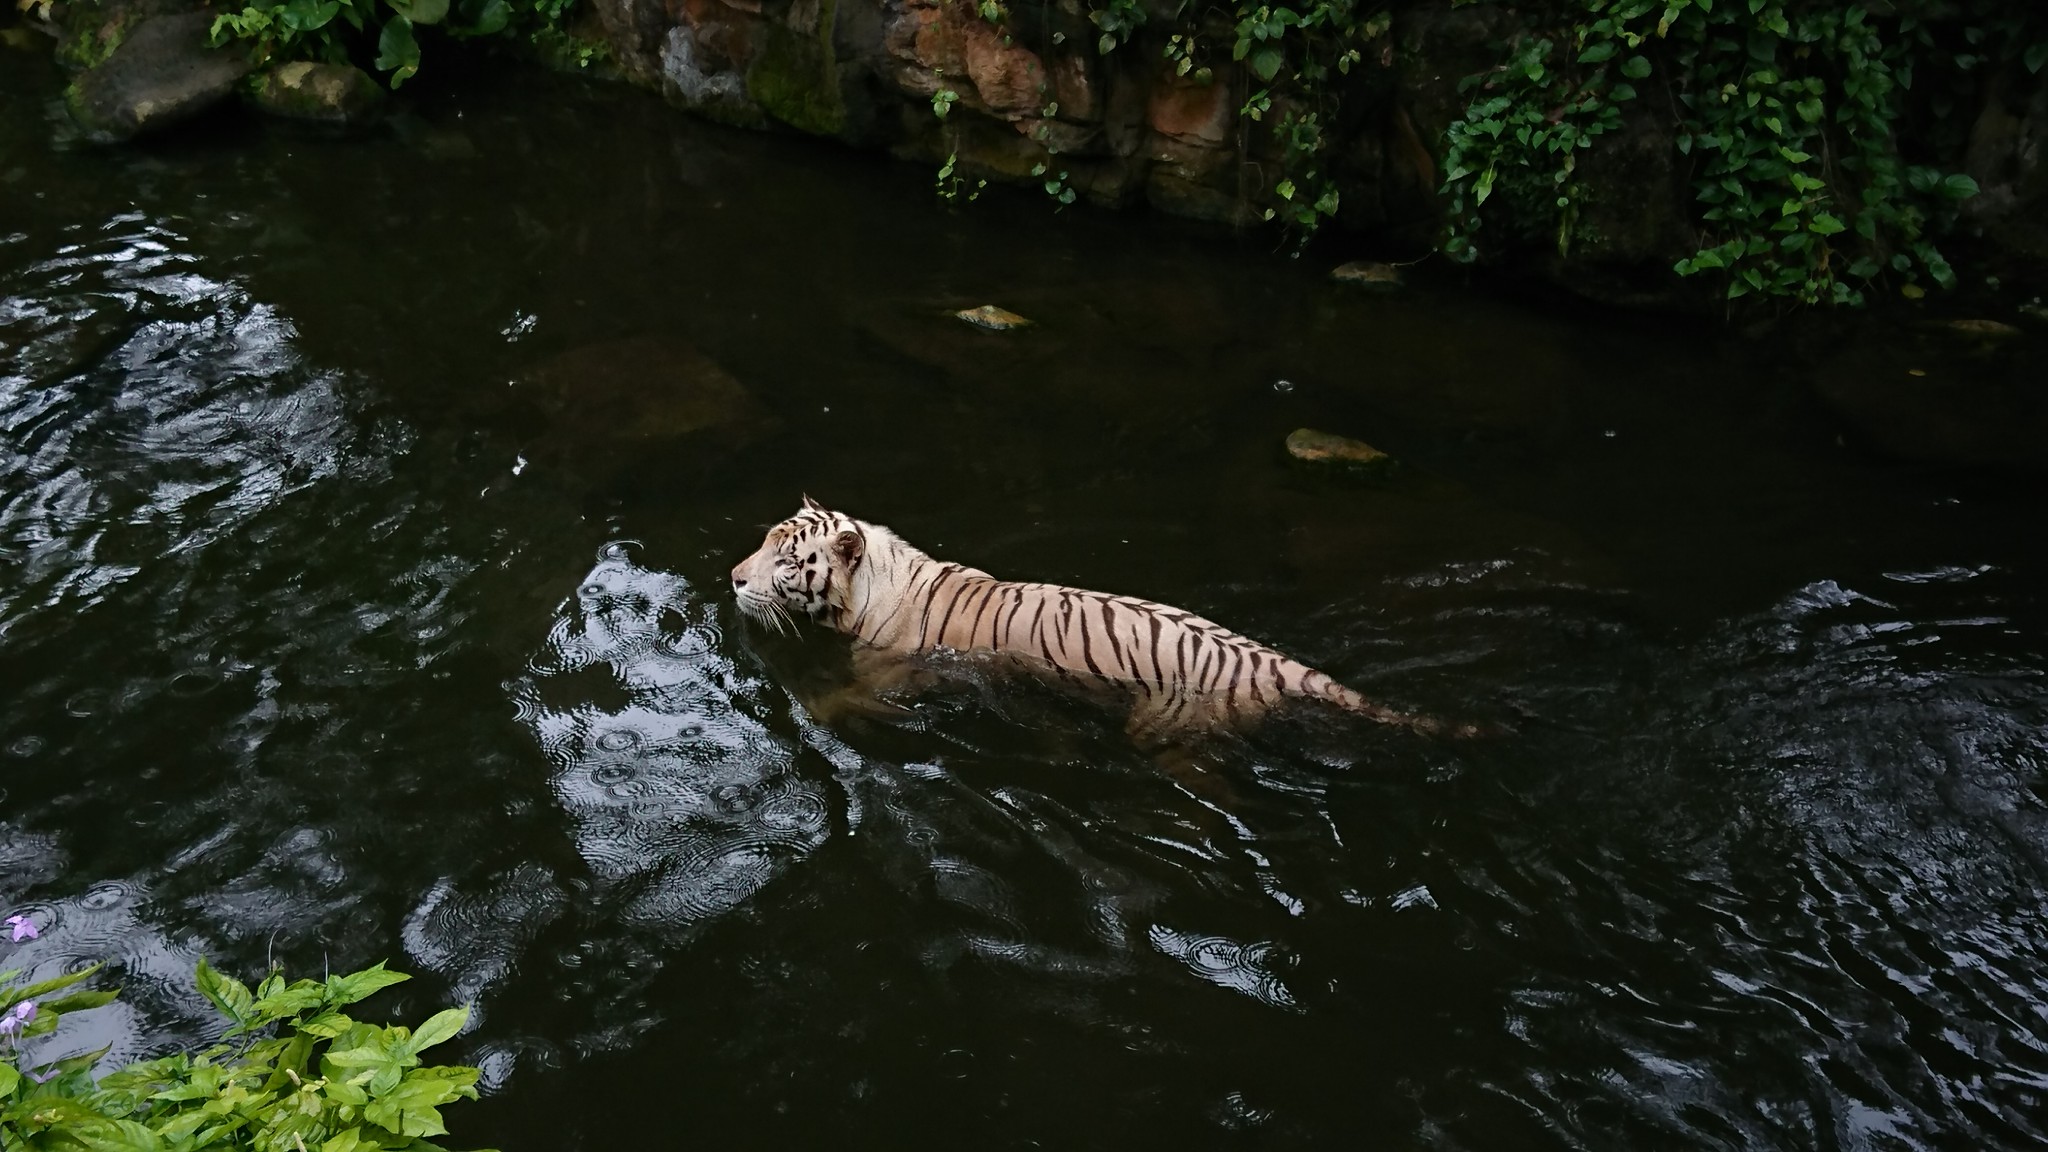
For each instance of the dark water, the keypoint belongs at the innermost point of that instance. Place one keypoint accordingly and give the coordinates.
(336, 625)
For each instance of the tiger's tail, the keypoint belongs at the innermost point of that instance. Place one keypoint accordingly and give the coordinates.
(1321, 686)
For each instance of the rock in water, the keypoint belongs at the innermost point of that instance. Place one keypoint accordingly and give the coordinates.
(1981, 329)
(327, 93)
(1371, 274)
(163, 72)
(600, 406)
(992, 318)
(1326, 449)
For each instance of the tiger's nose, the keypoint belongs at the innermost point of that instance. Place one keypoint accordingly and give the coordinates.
(738, 581)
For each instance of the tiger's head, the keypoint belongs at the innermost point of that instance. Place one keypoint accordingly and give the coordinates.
(805, 566)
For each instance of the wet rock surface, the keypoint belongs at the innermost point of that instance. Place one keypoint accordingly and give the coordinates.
(1367, 274)
(326, 93)
(163, 72)
(1339, 453)
(993, 318)
(632, 396)
(1964, 393)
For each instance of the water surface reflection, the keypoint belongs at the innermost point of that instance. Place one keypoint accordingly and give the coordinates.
(304, 656)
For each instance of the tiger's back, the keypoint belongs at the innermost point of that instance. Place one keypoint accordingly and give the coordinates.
(1183, 671)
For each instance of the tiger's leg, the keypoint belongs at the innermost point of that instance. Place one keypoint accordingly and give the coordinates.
(878, 675)
(1172, 728)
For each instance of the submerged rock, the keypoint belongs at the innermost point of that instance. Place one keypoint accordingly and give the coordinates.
(327, 93)
(163, 71)
(1370, 273)
(1981, 329)
(1327, 449)
(992, 318)
(1918, 397)
(597, 406)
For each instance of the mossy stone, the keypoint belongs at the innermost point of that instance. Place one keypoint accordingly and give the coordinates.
(1338, 453)
(164, 71)
(328, 93)
(795, 79)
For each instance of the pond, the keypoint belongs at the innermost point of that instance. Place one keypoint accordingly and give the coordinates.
(366, 505)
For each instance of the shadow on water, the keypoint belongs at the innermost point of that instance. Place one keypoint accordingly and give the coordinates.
(307, 445)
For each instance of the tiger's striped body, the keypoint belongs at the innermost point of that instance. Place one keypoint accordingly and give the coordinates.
(1184, 672)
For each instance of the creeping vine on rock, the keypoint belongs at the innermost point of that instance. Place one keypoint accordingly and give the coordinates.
(385, 33)
(1788, 115)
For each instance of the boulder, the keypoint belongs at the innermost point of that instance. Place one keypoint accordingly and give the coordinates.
(327, 93)
(1367, 273)
(642, 390)
(993, 318)
(1340, 453)
(164, 71)
(1941, 396)
(633, 32)
(705, 80)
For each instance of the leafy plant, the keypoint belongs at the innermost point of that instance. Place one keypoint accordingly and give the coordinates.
(1056, 186)
(293, 1073)
(951, 187)
(1119, 20)
(386, 31)
(1788, 113)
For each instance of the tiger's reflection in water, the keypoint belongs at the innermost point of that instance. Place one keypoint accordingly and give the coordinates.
(686, 784)
(680, 802)
(675, 791)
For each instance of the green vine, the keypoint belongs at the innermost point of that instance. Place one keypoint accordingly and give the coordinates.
(385, 32)
(1295, 53)
(1787, 113)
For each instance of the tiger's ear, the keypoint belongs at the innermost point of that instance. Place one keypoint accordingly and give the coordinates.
(812, 505)
(848, 545)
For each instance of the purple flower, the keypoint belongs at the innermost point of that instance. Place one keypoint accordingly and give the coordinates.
(17, 1018)
(24, 928)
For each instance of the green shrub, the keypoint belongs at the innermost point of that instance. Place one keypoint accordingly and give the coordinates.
(292, 1073)
(1789, 113)
(385, 32)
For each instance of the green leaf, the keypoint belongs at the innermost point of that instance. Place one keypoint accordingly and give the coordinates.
(78, 1002)
(347, 1141)
(228, 994)
(398, 53)
(421, 11)
(303, 16)
(1622, 92)
(358, 985)
(496, 14)
(1482, 187)
(2037, 55)
(1958, 187)
(1266, 63)
(118, 1136)
(327, 1025)
(1636, 67)
(1824, 224)
(1597, 53)
(9, 1079)
(44, 988)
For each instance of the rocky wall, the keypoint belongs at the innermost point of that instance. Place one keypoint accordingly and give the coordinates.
(1033, 94)
(1126, 129)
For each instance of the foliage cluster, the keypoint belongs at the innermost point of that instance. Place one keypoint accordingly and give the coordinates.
(1290, 57)
(386, 33)
(293, 1073)
(1789, 116)
(1293, 51)
(1786, 118)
